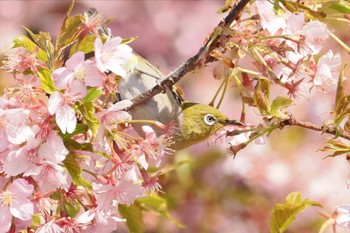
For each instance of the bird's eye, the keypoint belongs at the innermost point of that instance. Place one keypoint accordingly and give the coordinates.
(209, 119)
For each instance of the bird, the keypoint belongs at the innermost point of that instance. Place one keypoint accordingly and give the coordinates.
(194, 122)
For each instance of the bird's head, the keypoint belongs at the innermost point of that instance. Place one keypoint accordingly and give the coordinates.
(199, 121)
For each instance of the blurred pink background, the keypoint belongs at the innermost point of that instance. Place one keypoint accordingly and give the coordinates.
(216, 193)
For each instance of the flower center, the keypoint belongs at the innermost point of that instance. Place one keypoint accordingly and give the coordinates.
(6, 198)
(79, 73)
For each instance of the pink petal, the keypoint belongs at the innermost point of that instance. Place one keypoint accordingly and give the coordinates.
(16, 162)
(5, 219)
(98, 53)
(55, 101)
(75, 60)
(120, 105)
(62, 77)
(78, 89)
(22, 209)
(4, 143)
(53, 149)
(65, 119)
(93, 77)
(21, 188)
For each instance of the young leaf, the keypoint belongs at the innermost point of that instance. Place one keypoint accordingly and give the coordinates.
(338, 147)
(43, 40)
(87, 109)
(278, 104)
(75, 171)
(341, 7)
(283, 214)
(296, 7)
(133, 216)
(92, 94)
(46, 81)
(72, 208)
(261, 102)
(86, 45)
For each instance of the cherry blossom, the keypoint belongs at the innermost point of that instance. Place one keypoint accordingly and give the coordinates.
(61, 105)
(327, 71)
(77, 75)
(269, 19)
(109, 196)
(21, 61)
(14, 202)
(112, 55)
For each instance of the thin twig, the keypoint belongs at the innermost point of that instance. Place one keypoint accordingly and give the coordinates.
(193, 62)
(304, 124)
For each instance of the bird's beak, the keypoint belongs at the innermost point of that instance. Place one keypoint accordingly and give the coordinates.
(231, 122)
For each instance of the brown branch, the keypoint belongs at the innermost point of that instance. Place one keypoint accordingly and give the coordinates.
(304, 124)
(193, 62)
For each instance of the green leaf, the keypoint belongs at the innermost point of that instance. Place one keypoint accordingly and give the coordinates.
(43, 40)
(72, 208)
(74, 170)
(86, 45)
(264, 86)
(279, 103)
(133, 216)
(342, 7)
(226, 7)
(157, 204)
(70, 31)
(46, 81)
(71, 143)
(284, 214)
(296, 8)
(87, 109)
(261, 102)
(25, 42)
(92, 94)
(337, 146)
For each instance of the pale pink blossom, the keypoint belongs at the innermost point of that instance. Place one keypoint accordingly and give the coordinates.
(14, 202)
(14, 126)
(51, 177)
(109, 196)
(22, 61)
(152, 148)
(343, 216)
(269, 19)
(316, 33)
(112, 55)
(110, 117)
(23, 159)
(53, 149)
(77, 74)
(102, 222)
(60, 105)
(327, 71)
(29, 158)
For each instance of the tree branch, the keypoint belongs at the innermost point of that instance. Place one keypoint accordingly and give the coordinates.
(304, 124)
(193, 62)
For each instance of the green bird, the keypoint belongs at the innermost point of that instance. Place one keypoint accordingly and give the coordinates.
(194, 122)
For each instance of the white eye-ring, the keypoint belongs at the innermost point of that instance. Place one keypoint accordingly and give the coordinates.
(209, 119)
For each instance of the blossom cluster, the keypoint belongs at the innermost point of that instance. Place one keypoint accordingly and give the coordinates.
(67, 157)
(288, 47)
